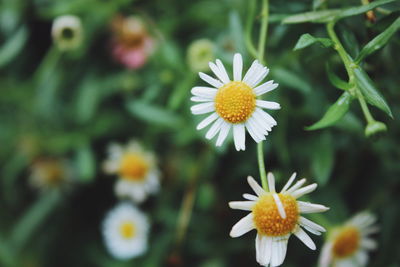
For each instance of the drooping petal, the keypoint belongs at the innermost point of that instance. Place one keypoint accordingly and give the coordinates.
(306, 207)
(279, 247)
(203, 108)
(279, 205)
(263, 249)
(267, 104)
(210, 80)
(255, 186)
(237, 67)
(242, 205)
(243, 226)
(207, 121)
(305, 238)
(225, 127)
(239, 136)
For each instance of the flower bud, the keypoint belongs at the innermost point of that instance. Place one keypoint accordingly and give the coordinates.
(199, 53)
(67, 32)
(375, 128)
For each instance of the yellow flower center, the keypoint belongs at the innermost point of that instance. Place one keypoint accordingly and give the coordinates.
(235, 102)
(267, 219)
(127, 230)
(133, 167)
(347, 242)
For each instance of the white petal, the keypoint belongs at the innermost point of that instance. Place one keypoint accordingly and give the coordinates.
(263, 72)
(263, 249)
(289, 182)
(210, 80)
(305, 238)
(279, 247)
(251, 70)
(267, 104)
(266, 116)
(370, 230)
(261, 122)
(239, 136)
(271, 182)
(306, 207)
(262, 131)
(217, 72)
(325, 257)
(225, 77)
(296, 186)
(250, 197)
(361, 257)
(214, 128)
(243, 226)
(199, 99)
(207, 121)
(265, 88)
(205, 92)
(279, 205)
(363, 219)
(203, 108)
(368, 243)
(304, 190)
(255, 186)
(307, 224)
(258, 70)
(242, 205)
(254, 133)
(237, 67)
(225, 127)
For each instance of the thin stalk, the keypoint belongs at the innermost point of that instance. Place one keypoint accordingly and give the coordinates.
(249, 27)
(261, 165)
(365, 109)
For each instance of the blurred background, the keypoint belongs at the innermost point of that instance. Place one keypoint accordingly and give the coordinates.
(122, 69)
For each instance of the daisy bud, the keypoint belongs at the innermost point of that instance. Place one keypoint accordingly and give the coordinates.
(67, 32)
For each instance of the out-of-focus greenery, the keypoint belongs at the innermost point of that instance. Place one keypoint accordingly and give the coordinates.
(73, 104)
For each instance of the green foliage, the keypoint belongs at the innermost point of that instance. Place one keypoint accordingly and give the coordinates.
(307, 40)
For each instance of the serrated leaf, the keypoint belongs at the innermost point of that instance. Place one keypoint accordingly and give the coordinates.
(153, 114)
(379, 41)
(324, 16)
(307, 40)
(335, 80)
(322, 158)
(370, 92)
(334, 113)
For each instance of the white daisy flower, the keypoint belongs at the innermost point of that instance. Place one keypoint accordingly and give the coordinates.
(348, 245)
(276, 216)
(67, 32)
(125, 231)
(136, 168)
(234, 104)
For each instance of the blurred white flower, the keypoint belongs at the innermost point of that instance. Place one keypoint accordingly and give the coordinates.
(136, 168)
(51, 173)
(199, 53)
(348, 245)
(234, 104)
(276, 216)
(67, 32)
(125, 231)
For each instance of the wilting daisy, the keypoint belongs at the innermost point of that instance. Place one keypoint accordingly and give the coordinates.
(132, 43)
(51, 173)
(136, 168)
(125, 231)
(67, 32)
(348, 245)
(235, 104)
(276, 216)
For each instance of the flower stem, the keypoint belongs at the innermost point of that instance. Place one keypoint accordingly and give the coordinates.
(261, 165)
(260, 56)
(249, 26)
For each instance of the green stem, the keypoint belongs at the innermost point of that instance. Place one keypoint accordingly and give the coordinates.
(263, 173)
(263, 31)
(249, 27)
(365, 109)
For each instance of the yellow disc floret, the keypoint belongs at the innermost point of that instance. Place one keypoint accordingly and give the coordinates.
(346, 242)
(267, 219)
(235, 102)
(127, 230)
(133, 167)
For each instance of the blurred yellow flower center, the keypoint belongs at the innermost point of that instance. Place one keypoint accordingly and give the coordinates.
(127, 230)
(347, 242)
(133, 167)
(267, 219)
(235, 102)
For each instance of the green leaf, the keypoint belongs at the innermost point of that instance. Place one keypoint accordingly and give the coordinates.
(307, 40)
(379, 41)
(322, 158)
(370, 92)
(86, 163)
(334, 113)
(291, 79)
(87, 99)
(335, 80)
(13, 46)
(325, 16)
(153, 114)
